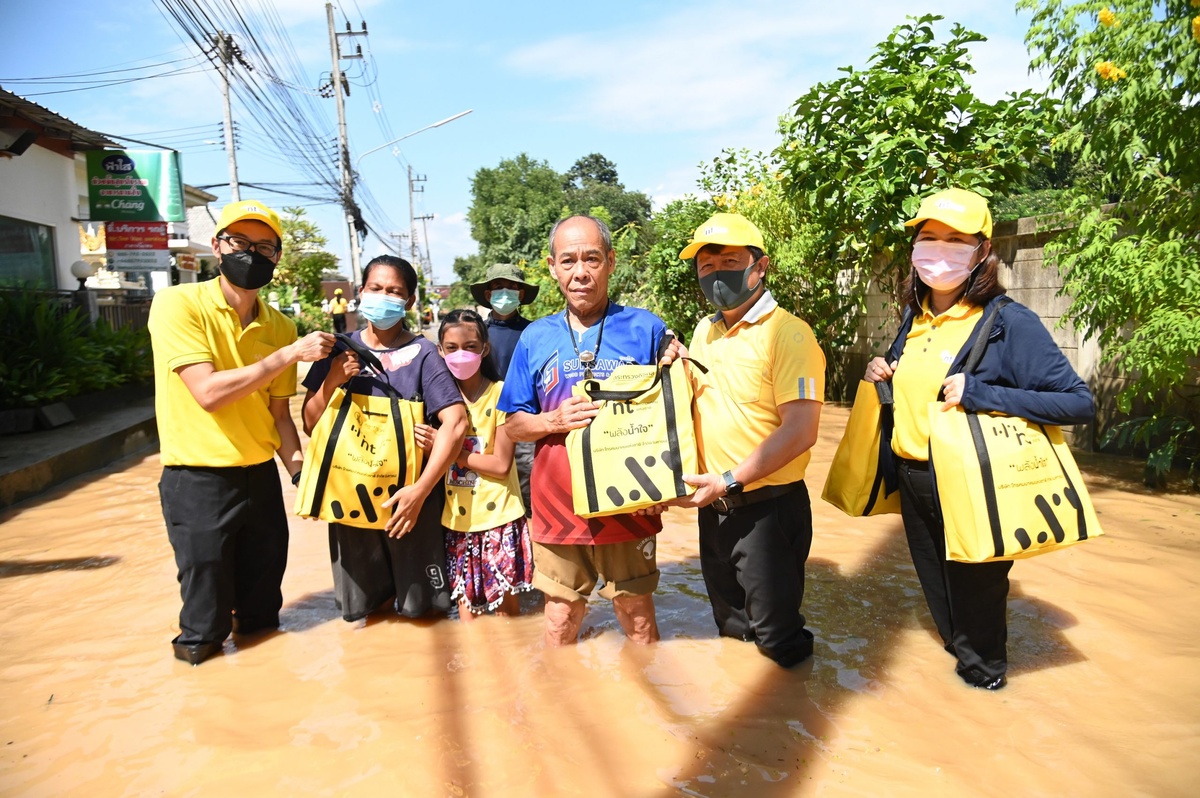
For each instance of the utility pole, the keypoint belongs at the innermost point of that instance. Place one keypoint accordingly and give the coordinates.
(400, 251)
(225, 42)
(413, 188)
(427, 260)
(340, 84)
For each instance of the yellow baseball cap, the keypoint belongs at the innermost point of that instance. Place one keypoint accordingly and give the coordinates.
(965, 211)
(725, 229)
(250, 209)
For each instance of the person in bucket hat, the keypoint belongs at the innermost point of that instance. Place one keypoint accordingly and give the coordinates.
(503, 291)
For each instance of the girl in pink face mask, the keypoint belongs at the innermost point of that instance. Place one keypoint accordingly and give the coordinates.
(488, 554)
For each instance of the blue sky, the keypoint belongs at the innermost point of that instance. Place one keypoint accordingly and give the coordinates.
(657, 87)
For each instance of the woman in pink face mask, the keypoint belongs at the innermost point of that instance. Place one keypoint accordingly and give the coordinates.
(953, 284)
(488, 554)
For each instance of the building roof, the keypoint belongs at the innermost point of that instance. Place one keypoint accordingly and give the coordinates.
(52, 124)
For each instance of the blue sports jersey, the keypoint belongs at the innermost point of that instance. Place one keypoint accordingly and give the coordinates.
(545, 365)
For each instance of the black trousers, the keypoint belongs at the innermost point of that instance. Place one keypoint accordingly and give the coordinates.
(968, 601)
(229, 530)
(753, 566)
(371, 569)
(339, 322)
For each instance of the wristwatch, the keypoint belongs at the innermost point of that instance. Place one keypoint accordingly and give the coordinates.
(732, 486)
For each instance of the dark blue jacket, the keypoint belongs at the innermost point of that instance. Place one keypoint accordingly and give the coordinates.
(503, 335)
(1023, 372)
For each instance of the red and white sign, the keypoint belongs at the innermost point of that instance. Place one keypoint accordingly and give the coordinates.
(136, 235)
(186, 262)
(137, 246)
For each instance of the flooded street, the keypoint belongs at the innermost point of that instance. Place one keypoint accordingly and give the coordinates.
(1103, 697)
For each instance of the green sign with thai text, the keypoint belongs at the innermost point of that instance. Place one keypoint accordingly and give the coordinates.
(134, 186)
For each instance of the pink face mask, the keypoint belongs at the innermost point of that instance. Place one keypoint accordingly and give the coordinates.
(943, 265)
(463, 364)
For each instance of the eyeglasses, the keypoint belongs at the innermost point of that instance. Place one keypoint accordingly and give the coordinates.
(241, 244)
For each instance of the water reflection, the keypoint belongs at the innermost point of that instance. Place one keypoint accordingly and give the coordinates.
(1096, 704)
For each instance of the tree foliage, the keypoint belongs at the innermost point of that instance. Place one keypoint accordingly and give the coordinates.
(859, 153)
(671, 288)
(304, 259)
(514, 206)
(1129, 77)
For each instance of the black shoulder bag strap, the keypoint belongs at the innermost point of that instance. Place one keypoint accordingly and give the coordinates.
(886, 476)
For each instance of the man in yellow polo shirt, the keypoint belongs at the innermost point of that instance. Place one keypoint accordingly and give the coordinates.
(757, 412)
(224, 368)
(337, 309)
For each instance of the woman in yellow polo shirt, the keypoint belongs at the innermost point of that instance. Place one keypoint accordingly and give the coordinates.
(954, 280)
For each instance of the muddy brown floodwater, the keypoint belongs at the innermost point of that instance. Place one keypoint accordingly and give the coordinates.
(1103, 696)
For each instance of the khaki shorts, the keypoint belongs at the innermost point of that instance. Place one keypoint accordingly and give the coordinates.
(570, 572)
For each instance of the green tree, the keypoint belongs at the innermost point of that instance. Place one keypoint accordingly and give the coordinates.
(1129, 78)
(304, 259)
(593, 168)
(859, 153)
(592, 183)
(513, 207)
(672, 290)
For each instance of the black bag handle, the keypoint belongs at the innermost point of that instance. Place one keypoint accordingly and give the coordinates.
(365, 355)
(979, 347)
(985, 332)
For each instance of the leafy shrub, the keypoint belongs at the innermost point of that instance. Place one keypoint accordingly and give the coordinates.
(52, 352)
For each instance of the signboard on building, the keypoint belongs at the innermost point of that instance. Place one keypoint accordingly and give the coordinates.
(134, 186)
(137, 246)
(186, 262)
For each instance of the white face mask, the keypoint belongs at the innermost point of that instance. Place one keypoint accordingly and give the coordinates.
(943, 265)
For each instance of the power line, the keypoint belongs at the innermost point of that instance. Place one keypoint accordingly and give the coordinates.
(181, 71)
(69, 78)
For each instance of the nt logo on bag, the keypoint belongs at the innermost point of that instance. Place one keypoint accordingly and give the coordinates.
(635, 452)
(1008, 487)
(1033, 468)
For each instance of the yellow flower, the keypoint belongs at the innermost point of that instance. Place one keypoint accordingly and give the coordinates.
(1109, 71)
(1108, 18)
(757, 190)
(1196, 24)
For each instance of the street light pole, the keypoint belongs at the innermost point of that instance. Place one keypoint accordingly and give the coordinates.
(410, 135)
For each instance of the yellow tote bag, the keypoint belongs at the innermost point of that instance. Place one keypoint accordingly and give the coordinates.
(360, 453)
(1008, 488)
(862, 479)
(636, 450)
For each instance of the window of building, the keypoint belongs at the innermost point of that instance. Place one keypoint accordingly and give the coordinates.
(26, 254)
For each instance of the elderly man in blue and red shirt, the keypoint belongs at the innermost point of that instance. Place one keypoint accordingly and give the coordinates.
(589, 339)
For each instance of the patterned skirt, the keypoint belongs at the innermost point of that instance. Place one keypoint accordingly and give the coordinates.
(484, 567)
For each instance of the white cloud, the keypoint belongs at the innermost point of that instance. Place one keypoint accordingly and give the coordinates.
(706, 69)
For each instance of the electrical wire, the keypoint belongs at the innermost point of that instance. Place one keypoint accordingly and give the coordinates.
(181, 71)
(70, 78)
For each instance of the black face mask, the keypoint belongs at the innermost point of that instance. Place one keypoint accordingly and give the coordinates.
(248, 269)
(727, 289)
